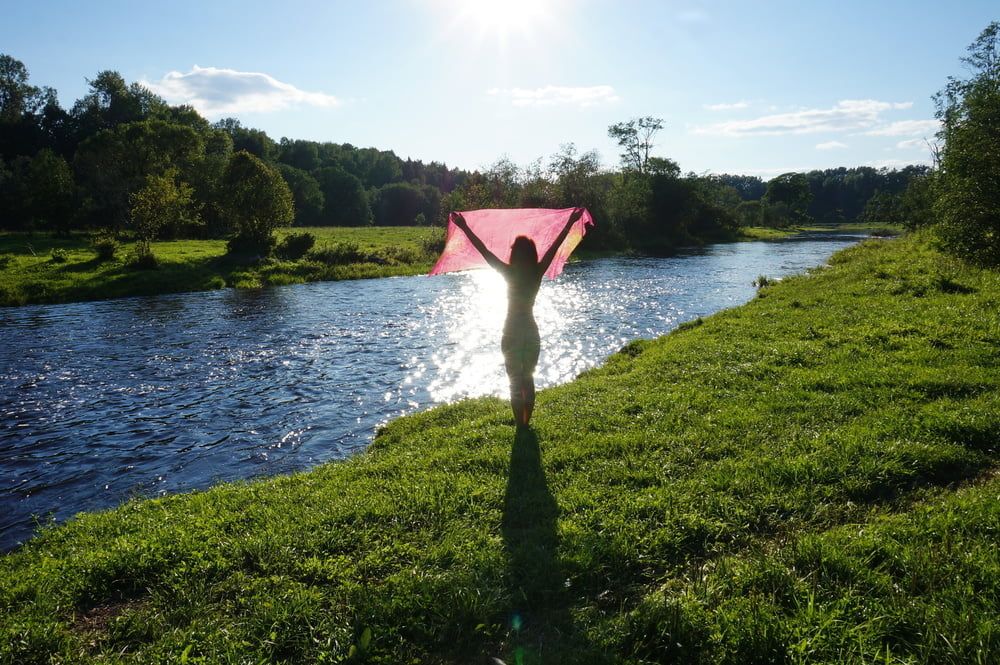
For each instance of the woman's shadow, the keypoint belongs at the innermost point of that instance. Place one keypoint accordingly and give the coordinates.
(539, 589)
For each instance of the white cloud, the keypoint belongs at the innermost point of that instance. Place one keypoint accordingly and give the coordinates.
(727, 107)
(846, 115)
(831, 145)
(214, 91)
(907, 128)
(553, 95)
(912, 143)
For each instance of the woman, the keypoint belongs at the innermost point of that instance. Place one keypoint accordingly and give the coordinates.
(520, 343)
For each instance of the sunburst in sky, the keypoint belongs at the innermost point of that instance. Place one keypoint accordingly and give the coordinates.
(742, 87)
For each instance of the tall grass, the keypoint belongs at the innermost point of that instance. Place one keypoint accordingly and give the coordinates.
(808, 478)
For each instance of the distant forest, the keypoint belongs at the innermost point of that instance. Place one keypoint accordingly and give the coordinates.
(123, 161)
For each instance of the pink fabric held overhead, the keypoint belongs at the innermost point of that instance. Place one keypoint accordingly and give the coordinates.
(498, 229)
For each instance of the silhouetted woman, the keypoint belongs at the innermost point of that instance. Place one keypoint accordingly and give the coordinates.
(520, 343)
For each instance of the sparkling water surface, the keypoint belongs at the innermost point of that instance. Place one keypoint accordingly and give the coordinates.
(107, 400)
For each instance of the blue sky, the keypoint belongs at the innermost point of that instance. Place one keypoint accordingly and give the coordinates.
(761, 88)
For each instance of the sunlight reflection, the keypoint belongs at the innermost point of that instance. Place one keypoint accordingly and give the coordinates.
(470, 363)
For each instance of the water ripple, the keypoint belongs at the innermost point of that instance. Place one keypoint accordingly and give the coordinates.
(103, 401)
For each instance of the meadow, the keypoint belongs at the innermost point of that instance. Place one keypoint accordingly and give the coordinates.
(52, 268)
(49, 268)
(808, 478)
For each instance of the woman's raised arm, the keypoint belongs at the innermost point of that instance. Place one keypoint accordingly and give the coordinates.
(546, 261)
(491, 259)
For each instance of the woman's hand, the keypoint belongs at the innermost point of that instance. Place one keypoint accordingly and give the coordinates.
(577, 214)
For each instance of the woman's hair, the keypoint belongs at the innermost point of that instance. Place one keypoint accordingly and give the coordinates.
(523, 251)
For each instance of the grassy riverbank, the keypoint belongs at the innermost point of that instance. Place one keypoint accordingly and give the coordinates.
(811, 477)
(44, 268)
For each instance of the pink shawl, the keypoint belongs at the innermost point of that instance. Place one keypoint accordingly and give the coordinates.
(498, 229)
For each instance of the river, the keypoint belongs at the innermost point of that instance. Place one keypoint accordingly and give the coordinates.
(103, 401)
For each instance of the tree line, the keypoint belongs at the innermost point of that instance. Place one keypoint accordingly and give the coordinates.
(124, 162)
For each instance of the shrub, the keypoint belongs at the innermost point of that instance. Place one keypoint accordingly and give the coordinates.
(260, 246)
(142, 257)
(105, 247)
(295, 246)
(58, 256)
(434, 244)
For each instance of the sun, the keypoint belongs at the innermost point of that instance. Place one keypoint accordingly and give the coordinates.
(502, 18)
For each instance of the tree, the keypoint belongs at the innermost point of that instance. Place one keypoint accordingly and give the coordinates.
(398, 204)
(302, 155)
(112, 102)
(968, 192)
(27, 113)
(345, 199)
(51, 190)
(254, 141)
(115, 163)
(162, 202)
(636, 140)
(257, 201)
(306, 194)
(791, 190)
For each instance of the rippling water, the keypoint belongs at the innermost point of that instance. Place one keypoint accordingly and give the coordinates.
(141, 396)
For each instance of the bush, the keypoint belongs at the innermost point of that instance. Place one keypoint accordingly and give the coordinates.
(257, 246)
(58, 256)
(433, 245)
(105, 247)
(142, 258)
(295, 246)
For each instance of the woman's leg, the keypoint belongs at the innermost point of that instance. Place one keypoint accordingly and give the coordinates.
(516, 399)
(529, 397)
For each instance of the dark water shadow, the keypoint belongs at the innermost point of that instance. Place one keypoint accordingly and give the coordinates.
(541, 623)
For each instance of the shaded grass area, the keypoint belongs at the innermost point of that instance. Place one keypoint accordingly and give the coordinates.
(807, 478)
(44, 268)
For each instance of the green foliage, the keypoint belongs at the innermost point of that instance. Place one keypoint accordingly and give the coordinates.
(346, 202)
(306, 194)
(295, 245)
(789, 191)
(142, 257)
(257, 202)
(27, 275)
(50, 192)
(797, 480)
(105, 247)
(968, 191)
(398, 204)
(635, 138)
(161, 203)
(115, 163)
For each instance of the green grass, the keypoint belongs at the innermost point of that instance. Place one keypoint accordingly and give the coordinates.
(31, 270)
(810, 478)
(874, 228)
(765, 233)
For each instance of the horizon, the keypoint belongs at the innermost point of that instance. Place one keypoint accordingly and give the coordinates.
(471, 83)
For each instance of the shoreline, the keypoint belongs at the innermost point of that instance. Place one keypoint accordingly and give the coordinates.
(63, 270)
(724, 491)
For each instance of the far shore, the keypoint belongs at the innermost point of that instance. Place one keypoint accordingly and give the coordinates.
(45, 268)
